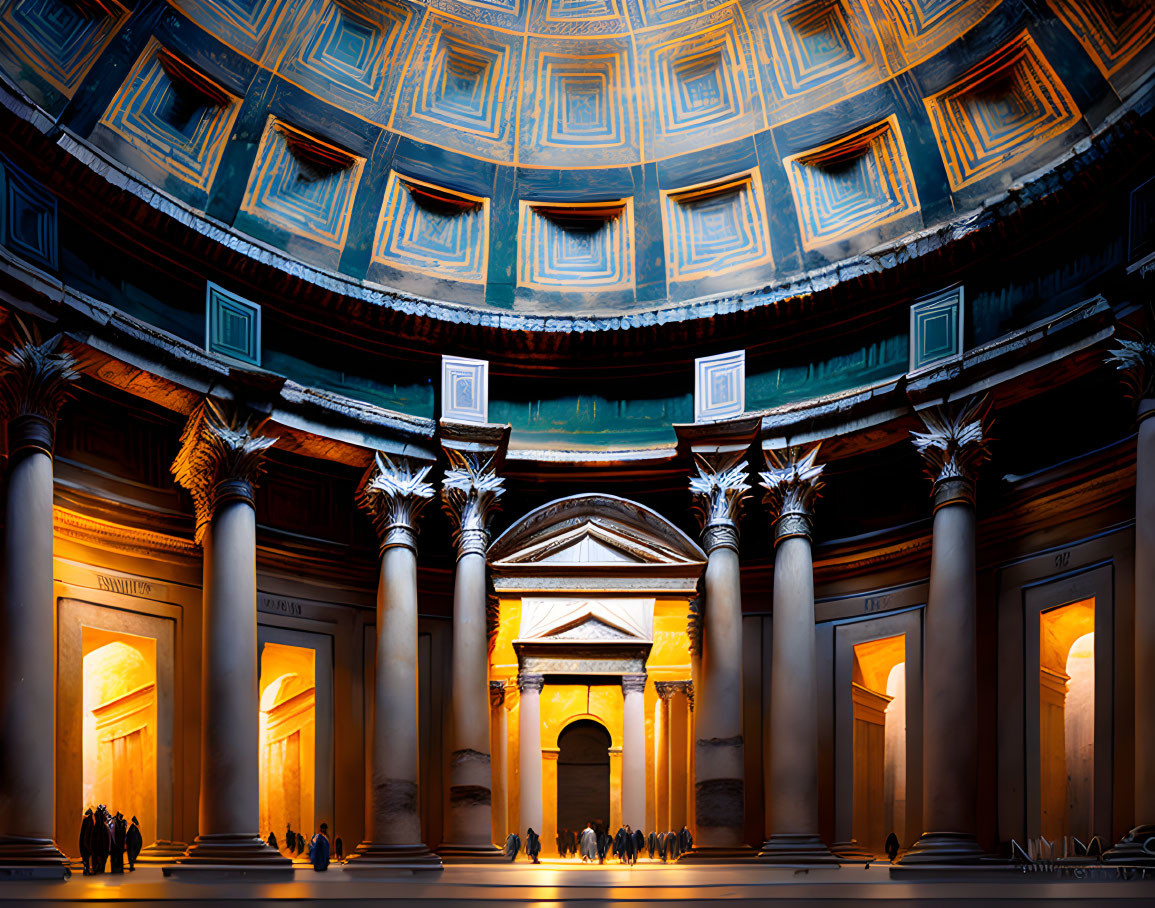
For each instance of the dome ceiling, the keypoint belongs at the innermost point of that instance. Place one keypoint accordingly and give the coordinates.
(579, 156)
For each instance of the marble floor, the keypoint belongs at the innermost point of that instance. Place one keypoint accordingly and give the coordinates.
(571, 883)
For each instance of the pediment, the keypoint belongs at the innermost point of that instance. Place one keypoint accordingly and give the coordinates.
(593, 544)
(550, 619)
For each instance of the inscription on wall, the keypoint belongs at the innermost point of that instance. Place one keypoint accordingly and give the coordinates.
(279, 605)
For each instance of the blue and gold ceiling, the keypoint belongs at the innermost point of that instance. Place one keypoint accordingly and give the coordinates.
(577, 156)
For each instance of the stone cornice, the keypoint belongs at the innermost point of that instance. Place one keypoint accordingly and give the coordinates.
(115, 537)
(471, 489)
(793, 481)
(954, 447)
(394, 492)
(221, 458)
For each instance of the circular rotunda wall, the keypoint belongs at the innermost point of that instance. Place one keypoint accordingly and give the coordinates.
(578, 156)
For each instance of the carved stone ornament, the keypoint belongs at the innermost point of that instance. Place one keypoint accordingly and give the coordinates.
(530, 682)
(34, 384)
(221, 458)
(953, 448)
(719, 490)
(496, 694)
(395, 493)
(470, 496)
(1135, 359)
(633, 684)
(793, 482)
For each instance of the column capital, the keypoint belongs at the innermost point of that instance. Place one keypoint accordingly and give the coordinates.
(34, 384)
(394, 492)
(496, 694)
(530, 682)
(471, 488)
(1134, 358)
(793, 482)
(221, 457)
(633, 684)
(953, 448)
(720, 484)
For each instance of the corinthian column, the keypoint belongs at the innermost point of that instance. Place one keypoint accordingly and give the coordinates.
(792, 482)
(953, 448)
(529, 751)
(220, 459)
(634, 751)
(1136, 361)
(35, 381)
(719, 488)
(470, 496)
(395, 493)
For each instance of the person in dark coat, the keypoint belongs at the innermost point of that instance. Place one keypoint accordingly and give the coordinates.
(573, 842)
(133, 842)
(101, 844)
(302, 846)
(685, 841)
(339, 850)
(119, 837)
(662, 847)
(532, 844)
(512, 846)
(290, 839)
(603, 845)
(673, 845)
(619, 846)
(271, 841)
(319, 849)
(562, 841)
(652, 844)
(892, 847)
(639, 845)
(87, 826)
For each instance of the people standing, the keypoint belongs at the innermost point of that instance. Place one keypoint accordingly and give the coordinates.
(87, 825)
(562, 841)
(639, 845)
(119, 836)
(319, 849)
(685, 841)
(339, 850)
(512, 846)
(271, 841)
(589, 844)
(101, 842)
(532, 845)
(603, 839)
(892, 847)
(133, 842)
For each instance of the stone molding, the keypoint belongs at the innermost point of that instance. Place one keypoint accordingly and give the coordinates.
(954, 447)
(528, 682)
(35, 379)
(793, 483)
(221, 458)
(633, 684)
(667, 689)
(394, 492)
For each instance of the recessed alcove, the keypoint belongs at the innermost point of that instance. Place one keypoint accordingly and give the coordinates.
(569, 247)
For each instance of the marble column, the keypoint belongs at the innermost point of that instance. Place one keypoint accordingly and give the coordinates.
(395, 493)
(662, 773)
(470, 495)
(953, 448)
(681, 758)
(792, 482)
(1135, 359)
(634, 751)
(500, 737)
(220, 459)
(34, 385)
(720, 487)
(529, 752)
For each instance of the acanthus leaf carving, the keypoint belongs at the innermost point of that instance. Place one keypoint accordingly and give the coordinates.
(720, 489)
(1135, 360)
(395, 493)
(954, 447)
(221, 456)
(470, 495)
(793, 483)
(35, 381)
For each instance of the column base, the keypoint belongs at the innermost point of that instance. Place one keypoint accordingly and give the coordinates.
(231, 857)
(716, 854)
(853, 853)
(370, 857)
(1137, 847)
(943, 848)
(161, 853)
(471, 854)
(796, 850)
(23, 858)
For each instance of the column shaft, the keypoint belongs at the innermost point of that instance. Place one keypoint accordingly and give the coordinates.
(634, 752)
(1145, 619)
(662, 766)
(529, 753)
(681, 770)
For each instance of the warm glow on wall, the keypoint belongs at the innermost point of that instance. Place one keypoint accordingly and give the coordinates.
(287, 740)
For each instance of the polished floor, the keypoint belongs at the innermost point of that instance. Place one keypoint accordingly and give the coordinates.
(571, 883)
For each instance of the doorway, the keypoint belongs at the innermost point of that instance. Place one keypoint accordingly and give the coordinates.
(878, 690)
(583, 776)
(288, 733)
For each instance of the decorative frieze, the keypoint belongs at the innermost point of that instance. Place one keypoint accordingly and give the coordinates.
(395, 493)
(954, 447)
(35, 379)
(221, 458)
(793, 481)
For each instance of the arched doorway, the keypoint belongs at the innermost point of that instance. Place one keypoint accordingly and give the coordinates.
(583, 775)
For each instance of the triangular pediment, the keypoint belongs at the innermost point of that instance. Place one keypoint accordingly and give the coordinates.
(592, 544)
(564, 619)
(590, 629)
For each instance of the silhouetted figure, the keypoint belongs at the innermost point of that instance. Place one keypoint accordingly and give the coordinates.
(572, 841)
(339, 850)
(301, 846)
(133, 842)
(271, 841)
(662, 846)
(119, 835)
(562, 841)
(652, 844)
(532, 844)
(603, 838)
(87, 825)
(290, 839)
(892, 847)
(101, 840)
(685, 841)
(589, 844)
(639, 846)
(319, 849)
(619, 846)
(512, 846)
